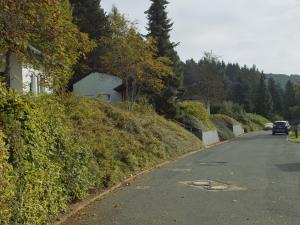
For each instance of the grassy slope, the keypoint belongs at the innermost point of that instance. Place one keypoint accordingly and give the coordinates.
(224, 125)
(54, 150)
(127, 141)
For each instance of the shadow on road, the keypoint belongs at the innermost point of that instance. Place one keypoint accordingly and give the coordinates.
(289, 167)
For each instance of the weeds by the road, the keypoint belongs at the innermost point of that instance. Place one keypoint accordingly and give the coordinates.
(293, 137)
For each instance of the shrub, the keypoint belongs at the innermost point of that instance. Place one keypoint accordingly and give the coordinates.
(7, 184)
(191, 110)
(55, 149)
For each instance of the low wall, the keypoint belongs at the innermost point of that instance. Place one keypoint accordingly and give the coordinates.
(237, 130)
(210, 137)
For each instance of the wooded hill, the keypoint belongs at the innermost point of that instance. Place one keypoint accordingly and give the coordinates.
(282, 79)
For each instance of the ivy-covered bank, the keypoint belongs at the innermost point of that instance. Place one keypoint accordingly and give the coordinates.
(55, 149)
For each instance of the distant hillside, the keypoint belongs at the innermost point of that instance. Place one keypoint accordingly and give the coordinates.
(282, 79)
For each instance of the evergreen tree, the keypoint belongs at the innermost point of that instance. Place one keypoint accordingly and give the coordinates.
(289, 98)
(264, 103)
(276, 94)
(159, 27)
(91, 19)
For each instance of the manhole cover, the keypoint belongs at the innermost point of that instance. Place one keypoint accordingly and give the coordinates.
(211, 185)
(213, 163)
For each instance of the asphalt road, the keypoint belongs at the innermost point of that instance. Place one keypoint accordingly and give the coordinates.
(263, 173)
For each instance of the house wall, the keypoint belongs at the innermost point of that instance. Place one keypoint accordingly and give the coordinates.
(99, 84)
(23, 78)
(16, 78)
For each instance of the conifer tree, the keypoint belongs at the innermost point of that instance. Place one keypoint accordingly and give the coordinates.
(276, 95)
(159, 27)
(264, 103)
(289, 98)
(91, 19)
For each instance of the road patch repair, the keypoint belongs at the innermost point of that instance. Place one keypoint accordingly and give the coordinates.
(211, 185)
(179, 170)
(213, 163)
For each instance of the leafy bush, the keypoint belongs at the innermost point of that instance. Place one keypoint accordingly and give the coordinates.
(7, 187)
(191, 110)
(55, 149)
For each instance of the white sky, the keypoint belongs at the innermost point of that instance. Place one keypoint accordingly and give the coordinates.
(261, 32)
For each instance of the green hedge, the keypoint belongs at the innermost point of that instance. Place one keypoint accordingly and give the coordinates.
(55, 149)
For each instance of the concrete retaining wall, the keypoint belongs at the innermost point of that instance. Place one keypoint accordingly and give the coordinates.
(210, 137)
(237, 130)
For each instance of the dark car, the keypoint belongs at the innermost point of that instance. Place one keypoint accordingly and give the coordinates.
(281, 127)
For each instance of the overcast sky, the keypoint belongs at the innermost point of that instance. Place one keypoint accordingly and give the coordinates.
(261, 32)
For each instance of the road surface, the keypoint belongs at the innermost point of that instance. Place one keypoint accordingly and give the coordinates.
(257, 178)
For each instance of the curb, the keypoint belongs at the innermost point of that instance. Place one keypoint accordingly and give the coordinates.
(74, 209)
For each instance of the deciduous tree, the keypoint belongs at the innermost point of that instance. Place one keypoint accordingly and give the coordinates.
(42, 33)
(133, 58)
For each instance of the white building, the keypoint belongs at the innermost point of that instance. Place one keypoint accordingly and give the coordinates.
(99, 85)
(23, 77)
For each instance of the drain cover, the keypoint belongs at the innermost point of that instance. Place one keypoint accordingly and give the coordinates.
(211, 185)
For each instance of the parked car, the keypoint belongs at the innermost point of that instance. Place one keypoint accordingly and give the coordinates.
(281, 127)
(268, 126)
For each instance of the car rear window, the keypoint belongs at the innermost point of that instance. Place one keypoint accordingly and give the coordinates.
(280, 123)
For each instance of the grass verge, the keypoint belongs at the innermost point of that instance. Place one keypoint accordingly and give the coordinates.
(293, 137)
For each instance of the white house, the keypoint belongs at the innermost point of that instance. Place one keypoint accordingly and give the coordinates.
(23, 77)
(99, 85)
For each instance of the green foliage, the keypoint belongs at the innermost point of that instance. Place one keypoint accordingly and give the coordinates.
(159, 28)
(92, 20)
(7, 184)
(264, 103)
(277, 96)
(231, 109)
(255, 122)
(42, 34)
(282, 79)
(208, 84)
(55, 149)
(224, 126)
(293, 137)
(196, 110)
(221, 81)
(133, 58)
(289, 98)
(251, 122)
(124, 142)
(49, 164)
